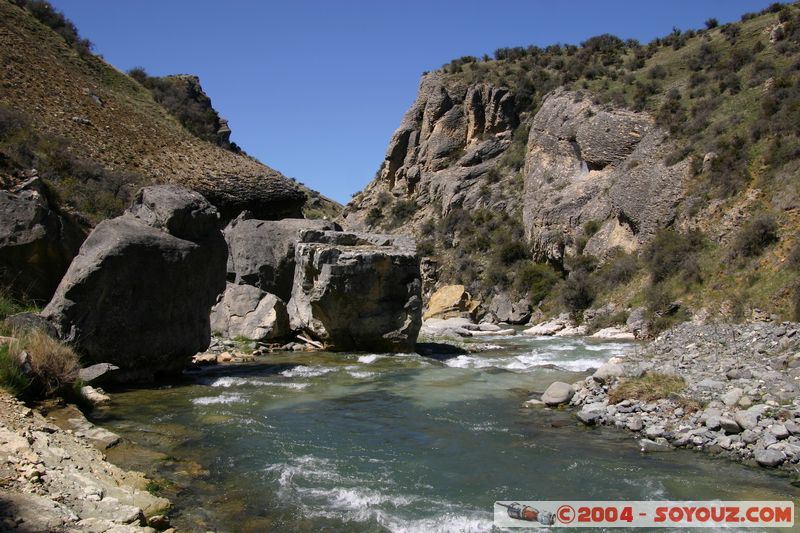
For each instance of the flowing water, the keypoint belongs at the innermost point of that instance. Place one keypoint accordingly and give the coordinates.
(369, 442)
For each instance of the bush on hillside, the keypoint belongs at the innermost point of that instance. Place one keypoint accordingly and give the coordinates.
(671, 252)
(536, 280)
(577, 292)
(754, 237)
(49, 16)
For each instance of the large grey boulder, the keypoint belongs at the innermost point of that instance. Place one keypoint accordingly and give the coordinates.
(357, 291)
(247, 311)
(37, 241)
(506, 310)
(138, 296)
(261, 252)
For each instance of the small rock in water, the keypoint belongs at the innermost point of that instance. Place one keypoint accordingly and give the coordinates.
(635, 424)
(769, 457)
(657, 445)
(654, 431)
(558, 393)
(780, 431)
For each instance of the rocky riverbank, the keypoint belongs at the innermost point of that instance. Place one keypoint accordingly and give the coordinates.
(56, 479)
(738, 392)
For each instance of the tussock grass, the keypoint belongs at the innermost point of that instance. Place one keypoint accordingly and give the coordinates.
(33, 365)
(647, 388)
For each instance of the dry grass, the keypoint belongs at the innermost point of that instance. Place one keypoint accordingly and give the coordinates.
(647, 388)
(50, 367)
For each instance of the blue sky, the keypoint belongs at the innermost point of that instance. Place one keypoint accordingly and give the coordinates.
(316, 88)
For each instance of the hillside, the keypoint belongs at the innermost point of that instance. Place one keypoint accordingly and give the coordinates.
(96, 135)
(661, 176)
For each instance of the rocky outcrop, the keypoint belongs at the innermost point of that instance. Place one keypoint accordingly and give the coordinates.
(139, 292)
(247, 311)
(37, 242)
(503, 309)
(451, 301)
(446, 143)
(588, 163)
(261, 252)
(56, 480)
(357, 291)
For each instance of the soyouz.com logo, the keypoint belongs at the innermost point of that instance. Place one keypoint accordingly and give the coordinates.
(644, 514)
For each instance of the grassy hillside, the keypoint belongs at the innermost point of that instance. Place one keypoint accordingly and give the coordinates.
(94, 133)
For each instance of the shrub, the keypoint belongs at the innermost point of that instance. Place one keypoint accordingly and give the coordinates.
(49, 16)
(536, 280)
(43, 365)
(577, 292)
(11, 121)
(648, 388)
(754, 237)
(511, 252)
(374, 216)
(671, 252)
(621, 268)
(712, 23)
(402, 210)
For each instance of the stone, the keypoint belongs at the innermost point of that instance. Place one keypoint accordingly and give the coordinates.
(505, 310)
(657, 445)
(139, 297)
(635, 424)
(749, 436)
(713, 423)
(747, 419)
(591, 414)
(94, 396)
(29, 321)
(653, 432)
(792, 427)
(533, 402)
(37, 241)
(779, 431)
(357, 291)
(613, 332)
(558, 393)
(608, 371)
(729, 425)
(247, 311)
(732, 397)
(450, 301)
(98, 374)
(262, 252)
(769, 457)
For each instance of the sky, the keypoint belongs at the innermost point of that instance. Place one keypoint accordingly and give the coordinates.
(315, 89)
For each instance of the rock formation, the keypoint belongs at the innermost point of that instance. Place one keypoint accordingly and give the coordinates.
(357, 291)
(587, 163)
(139, 292)
(261, 252)
(247, 311)
(37, 242)
(445, 143)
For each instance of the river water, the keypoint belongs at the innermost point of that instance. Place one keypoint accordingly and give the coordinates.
(370, 442)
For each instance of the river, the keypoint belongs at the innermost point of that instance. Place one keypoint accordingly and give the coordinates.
(370, 442)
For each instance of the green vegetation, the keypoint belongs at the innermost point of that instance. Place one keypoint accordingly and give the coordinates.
(648, 388)
(34, 365)
(185, 100)
(754, 237)
(82, 184)
(55, 20)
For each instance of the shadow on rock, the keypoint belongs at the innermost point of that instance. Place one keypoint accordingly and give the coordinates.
(439, 350)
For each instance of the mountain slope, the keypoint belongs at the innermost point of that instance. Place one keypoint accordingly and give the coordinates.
(661, 176)
(96, 134)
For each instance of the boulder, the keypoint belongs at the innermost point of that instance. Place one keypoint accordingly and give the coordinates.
(550, 327)
(608, 371)
(613, 333)
(37, 241)
(451, 301)
(30, 321)
(769, 457)
(137, 296)
(247, 311)
(558, 393)
(261, 252)
(357, 291)
(505, 310)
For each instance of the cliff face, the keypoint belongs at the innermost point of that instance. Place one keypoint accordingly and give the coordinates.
(593, 166)
(439, 156)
